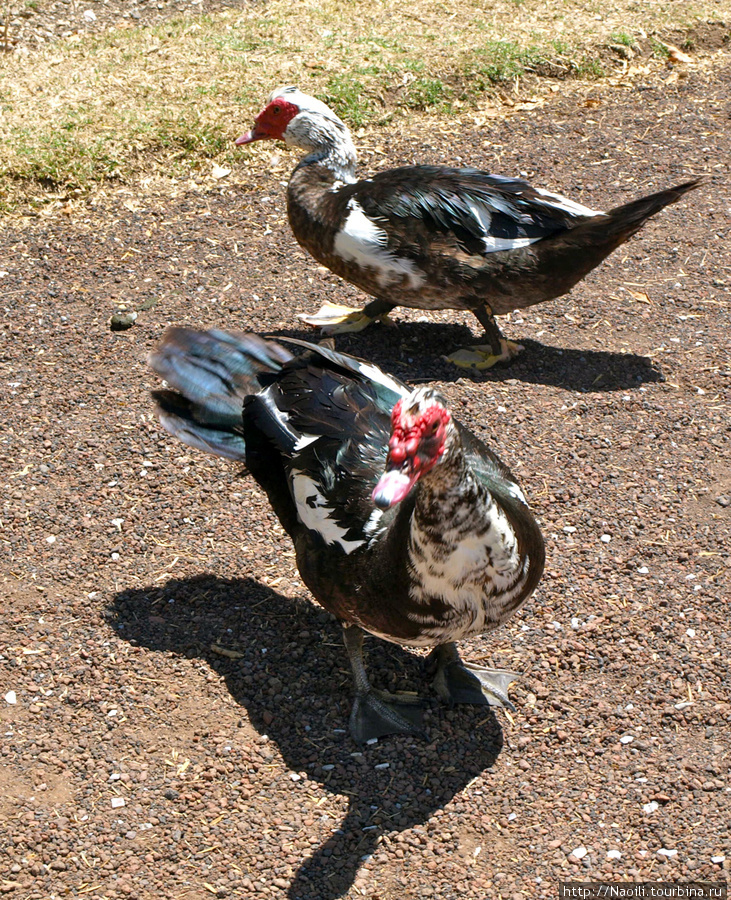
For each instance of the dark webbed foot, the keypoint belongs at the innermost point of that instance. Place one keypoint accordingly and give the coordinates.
(458, 682)
(378, 713)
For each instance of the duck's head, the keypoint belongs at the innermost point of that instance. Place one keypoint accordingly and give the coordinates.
(297, 119)
(421, 427)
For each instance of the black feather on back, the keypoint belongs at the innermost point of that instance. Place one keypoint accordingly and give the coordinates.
(463, 202)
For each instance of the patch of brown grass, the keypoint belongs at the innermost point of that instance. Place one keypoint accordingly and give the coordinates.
(169, 99)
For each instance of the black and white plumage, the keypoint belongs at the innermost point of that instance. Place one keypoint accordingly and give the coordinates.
(433, 237)
(405, 524)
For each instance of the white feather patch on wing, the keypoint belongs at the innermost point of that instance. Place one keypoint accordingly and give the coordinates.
(569, 206)
(493, 244)
(516, 492)
(304, 441)
(315, 514)
(380, 377)
(363, 242)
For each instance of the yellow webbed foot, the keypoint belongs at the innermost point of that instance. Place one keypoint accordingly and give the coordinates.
(481, 356)
(334, 319)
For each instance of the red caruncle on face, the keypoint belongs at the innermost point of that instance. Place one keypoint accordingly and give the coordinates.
(417, 439)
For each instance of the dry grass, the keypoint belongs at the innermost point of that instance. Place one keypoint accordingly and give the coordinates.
(169, 99)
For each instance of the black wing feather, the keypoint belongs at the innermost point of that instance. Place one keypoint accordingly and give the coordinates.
(445, 199)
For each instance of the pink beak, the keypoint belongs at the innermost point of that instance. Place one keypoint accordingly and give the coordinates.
(249, 137)
(392, 487)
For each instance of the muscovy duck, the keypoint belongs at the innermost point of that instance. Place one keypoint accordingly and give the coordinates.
(405, 524)
(433, 237)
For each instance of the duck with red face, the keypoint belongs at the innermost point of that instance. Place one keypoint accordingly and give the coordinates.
(405, 525)
(436, 237)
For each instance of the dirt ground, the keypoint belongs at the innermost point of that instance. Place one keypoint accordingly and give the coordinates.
(174, 707)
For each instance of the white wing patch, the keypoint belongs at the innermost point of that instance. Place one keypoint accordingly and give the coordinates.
(363, 242)
(379, 377)
(315, 514)
(569, 206)
(493, 244)
(304, 441)
(516, 492)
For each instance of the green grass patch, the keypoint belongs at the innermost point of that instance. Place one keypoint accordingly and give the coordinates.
(170, 98)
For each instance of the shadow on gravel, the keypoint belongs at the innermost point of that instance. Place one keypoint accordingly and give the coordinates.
(294, 681)
(415, 352)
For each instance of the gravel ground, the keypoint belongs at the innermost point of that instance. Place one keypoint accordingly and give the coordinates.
(33, 23)
(173, 706)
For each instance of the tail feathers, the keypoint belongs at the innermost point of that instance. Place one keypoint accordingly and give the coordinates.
(212, 372)
(625, 220)
(183, 421)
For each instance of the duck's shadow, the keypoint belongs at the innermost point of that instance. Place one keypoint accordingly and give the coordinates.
(292, 676)
(414, 351)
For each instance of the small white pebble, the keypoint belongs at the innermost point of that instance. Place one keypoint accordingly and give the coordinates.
(372, 741)
(112, 712)
(650, 807)
(626, 739)
(115, 556)
(606, 538)
(613, 854)
(718, 859)
(663, 851)
(11, 697)
(569, 529)
(643, 570)
(579, 853)
(512, 816)
(51, 539)
(295, 777)
(575, 623)
(690, 632)
(117, 802)
(382, 766)
(115, 776)
(90, 15)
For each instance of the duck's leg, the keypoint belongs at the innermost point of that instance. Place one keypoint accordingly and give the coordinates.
(377, 713)
(334, 319)
(484, 356)
(459, 682)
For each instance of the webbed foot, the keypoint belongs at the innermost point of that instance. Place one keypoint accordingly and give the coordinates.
(458, 682)
(376, 714)
(482, 356)
(335, 319)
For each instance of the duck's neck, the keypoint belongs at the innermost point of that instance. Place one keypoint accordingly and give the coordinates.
(330, 146)
(450, 500)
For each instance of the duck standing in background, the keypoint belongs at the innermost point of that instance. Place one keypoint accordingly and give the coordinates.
(405, 525)
(434, 237)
